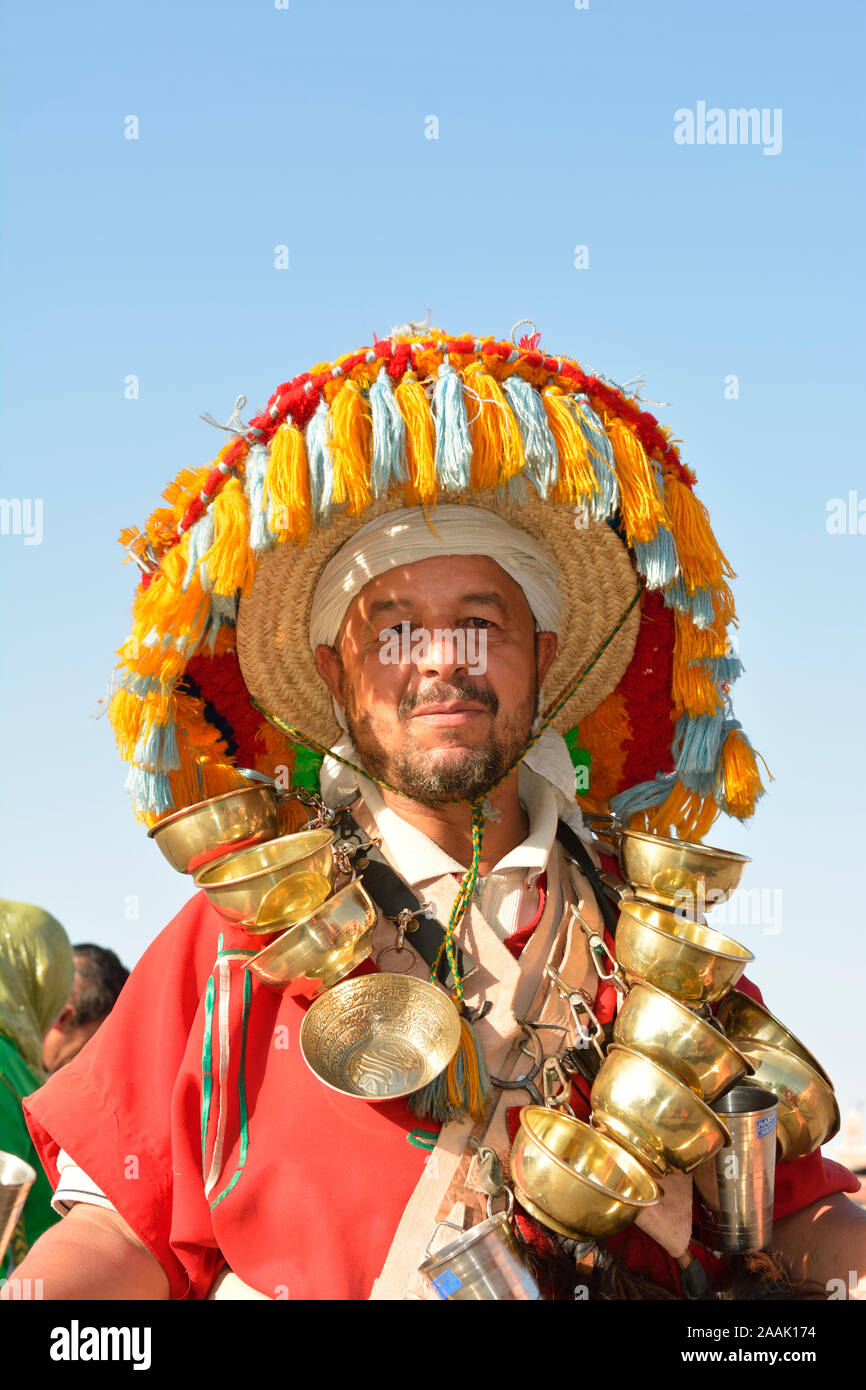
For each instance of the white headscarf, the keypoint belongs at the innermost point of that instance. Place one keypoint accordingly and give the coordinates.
(403, 538)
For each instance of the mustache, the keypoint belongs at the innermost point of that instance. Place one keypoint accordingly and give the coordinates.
(442, 691)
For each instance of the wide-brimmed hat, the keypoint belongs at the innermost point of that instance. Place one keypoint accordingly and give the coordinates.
(418, 420)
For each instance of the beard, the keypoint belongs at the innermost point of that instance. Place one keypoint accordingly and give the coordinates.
(468, 773)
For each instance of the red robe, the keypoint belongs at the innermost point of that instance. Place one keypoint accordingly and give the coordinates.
(311, 1184)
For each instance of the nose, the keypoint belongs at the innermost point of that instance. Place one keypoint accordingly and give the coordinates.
(441, 653)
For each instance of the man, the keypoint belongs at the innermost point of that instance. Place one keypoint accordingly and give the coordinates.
(99, 978)
(326, 596)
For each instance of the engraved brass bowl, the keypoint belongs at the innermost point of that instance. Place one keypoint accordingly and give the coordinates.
(686, 959)
(574, 1180)
(199, 835)
(380, 1037)
(653, 1113)
(660, 1027)
(297, 871)
(319, 951)
(670, 872)
(742, 1017)
(808, 1114)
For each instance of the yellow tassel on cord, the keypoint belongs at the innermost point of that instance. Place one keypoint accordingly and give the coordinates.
(739, 775)
(351, 432)
(287, 484)
(693, 690)
(702, 563)
(643, 508)
(497, 449)
(125, 714)
(414, 406)
(576, 480)
(229, 562)
(684, 815)
(695, 643)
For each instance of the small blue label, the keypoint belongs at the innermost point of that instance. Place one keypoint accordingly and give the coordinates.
(765, 1124)
(447, 1284)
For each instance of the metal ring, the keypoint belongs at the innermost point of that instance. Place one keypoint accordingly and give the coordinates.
(394, 950)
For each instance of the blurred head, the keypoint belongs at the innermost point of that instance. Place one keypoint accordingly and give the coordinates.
(99, 978)
(35, 976)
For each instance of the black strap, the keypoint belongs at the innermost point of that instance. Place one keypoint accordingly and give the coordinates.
(580, 854)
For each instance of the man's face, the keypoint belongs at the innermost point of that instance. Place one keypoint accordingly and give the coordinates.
(437, 668)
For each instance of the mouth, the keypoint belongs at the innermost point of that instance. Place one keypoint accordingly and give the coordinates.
(449, 713)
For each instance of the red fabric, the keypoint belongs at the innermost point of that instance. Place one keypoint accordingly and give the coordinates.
(310, 1214)
(517, 942)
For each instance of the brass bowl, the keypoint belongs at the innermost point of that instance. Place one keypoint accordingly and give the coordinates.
(573, 1179)
(669, 871)
(742, 1017)
(323, 948)
(660, 1027)
(300, 866)
(654, 1114)
(381, 1036)
(808, 1114)
(210, 830)
(686, 959)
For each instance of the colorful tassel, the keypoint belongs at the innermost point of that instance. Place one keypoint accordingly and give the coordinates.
(287, 485)
(657, 559)
(739, 783)
(420, 437)
(699, 605)
(697, 749)
(576, 480)
(497, 449)
(351, 428)
(453, 453)
(201, 536)
(261, 535)
(229, 561)
(702, 562)
(606, 500)
(539, 445)
(389, 464)
(464, 1087)
(320, 464)
(640, 797)
(641, 503)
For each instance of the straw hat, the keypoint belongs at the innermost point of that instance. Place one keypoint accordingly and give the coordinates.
(420, 418)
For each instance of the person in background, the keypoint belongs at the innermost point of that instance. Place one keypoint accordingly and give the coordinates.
(36, 973)
(99, 977)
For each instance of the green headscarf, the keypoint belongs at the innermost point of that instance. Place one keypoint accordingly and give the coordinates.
(36, 973)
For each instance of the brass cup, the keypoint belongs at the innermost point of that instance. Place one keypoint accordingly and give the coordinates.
(323, 948)
(302, 866)
(686, 959)
(575, 1180)
(379, 1037)
(667, 1031)
(742, 1017)
(674, 872)
(808, 1114)
(210, 830)
(653, 1114)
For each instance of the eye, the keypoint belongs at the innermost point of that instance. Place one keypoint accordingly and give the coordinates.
(481, 623)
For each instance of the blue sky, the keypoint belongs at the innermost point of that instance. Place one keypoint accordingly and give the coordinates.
(305, 127)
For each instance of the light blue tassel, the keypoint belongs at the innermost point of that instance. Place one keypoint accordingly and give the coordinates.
(517, 489)
(150, 791)
(642, 796)
(262, 537)
(388, 464)
(200, 542)
(453, 440)
(699, 604)
(157, 748)
(697, 748)
(724, 669)
(606, 500)
(139, 685)
(657, 560)
(539, 445)
(225, 608)
(320, 463)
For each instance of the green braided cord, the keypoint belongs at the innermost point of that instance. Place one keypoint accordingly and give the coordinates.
(470, 878)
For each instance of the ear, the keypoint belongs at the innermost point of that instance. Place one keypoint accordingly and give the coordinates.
(330, 668)
(546, 644)
(66, 1019)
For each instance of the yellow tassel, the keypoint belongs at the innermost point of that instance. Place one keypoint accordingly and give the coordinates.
(287, 484)
(694, 690)
(702, 563)
(576, 480)
(229, 562)
(683, 815)
(642, 507)
(414, 406)
(351, 426)
(739, 775)
(497, 449)
(125, 714)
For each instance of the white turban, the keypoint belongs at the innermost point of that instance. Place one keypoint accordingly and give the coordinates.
(402, 538)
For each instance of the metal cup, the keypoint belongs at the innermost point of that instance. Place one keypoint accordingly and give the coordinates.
(16, 1180)
(736, 1184)
(484, 1263)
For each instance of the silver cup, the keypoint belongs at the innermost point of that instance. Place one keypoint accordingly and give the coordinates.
(16, 1180)
(484, 1263)
(736, 1184)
